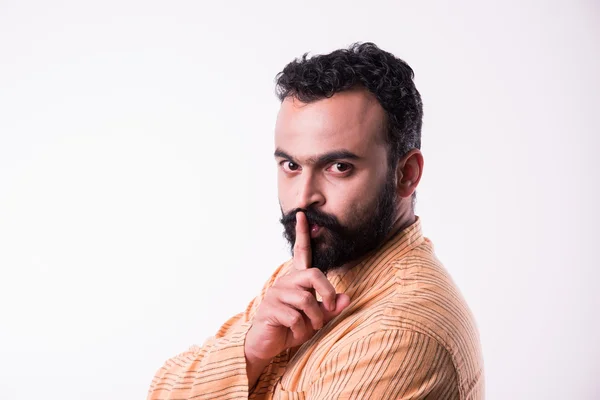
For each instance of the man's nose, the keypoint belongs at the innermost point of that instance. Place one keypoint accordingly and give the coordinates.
(309, 193)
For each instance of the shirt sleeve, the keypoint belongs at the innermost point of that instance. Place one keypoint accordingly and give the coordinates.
(387, 364)
(215, 370)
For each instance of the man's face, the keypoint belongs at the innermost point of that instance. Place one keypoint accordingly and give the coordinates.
(332, 163)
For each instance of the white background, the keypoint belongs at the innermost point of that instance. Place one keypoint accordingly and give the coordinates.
(138, 203)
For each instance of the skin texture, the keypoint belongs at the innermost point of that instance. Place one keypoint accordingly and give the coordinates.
(352, 122)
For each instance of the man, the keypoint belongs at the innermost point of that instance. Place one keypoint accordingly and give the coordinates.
(364, 309)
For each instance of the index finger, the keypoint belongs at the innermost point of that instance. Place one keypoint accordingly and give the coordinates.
(302, 250)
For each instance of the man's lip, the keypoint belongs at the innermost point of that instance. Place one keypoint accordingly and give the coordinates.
(314, 230)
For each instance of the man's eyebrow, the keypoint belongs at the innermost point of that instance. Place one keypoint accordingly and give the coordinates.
(333, 156)
(282, 154)
(323, 158)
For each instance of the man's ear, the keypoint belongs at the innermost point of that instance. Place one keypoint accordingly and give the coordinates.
(409, 172)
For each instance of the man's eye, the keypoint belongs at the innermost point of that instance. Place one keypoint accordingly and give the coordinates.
(341, 167)
(290, 166)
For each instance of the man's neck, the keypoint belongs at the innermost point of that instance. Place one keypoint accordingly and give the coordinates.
(403, 221)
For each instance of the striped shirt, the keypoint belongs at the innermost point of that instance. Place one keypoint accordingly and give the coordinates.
(407, 334)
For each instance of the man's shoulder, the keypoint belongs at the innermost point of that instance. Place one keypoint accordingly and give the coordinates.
(426, 300)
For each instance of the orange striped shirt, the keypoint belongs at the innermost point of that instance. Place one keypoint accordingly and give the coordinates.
(407, 334)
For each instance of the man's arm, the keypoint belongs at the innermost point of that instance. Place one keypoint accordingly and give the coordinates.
(219, 366)
(387, 364)
(216, 367)
(285, 315)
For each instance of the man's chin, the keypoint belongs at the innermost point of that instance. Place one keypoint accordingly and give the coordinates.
(320, 245)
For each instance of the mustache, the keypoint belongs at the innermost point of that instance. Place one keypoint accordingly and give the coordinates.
(313, 217)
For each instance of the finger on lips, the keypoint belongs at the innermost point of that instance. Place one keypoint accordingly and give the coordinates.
(311, 279)
(302, 250)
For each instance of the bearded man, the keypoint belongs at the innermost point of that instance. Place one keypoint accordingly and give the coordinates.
(363, 309)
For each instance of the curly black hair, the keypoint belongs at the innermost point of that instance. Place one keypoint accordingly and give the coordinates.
(388, 78)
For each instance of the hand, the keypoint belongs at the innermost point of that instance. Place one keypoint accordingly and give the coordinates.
(290, 314)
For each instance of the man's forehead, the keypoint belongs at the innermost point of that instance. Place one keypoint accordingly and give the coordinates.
(351, 120)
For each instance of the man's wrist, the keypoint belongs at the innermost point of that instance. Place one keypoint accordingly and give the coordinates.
(254, 367)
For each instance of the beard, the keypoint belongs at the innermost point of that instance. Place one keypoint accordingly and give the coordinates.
(339, 244)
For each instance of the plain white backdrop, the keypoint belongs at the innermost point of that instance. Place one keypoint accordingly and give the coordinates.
(138, 203)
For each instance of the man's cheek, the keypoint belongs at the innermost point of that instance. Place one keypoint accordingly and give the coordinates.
(347, 209)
